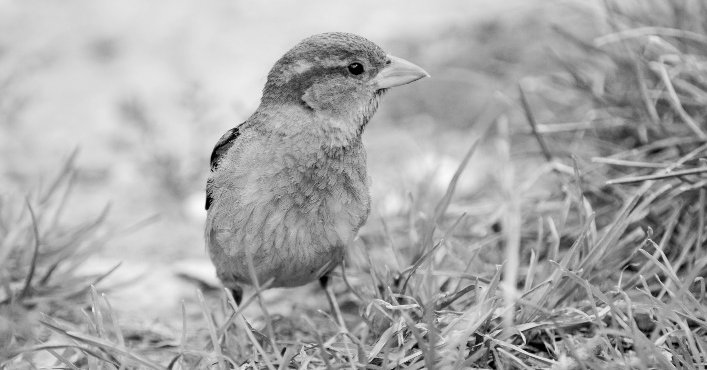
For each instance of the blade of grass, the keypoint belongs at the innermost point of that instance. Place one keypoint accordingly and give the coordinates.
(212, 329)
(530, 117)
(102, 344)
(35, 252)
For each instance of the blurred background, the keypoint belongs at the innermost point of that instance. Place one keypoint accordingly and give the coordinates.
(143, 90)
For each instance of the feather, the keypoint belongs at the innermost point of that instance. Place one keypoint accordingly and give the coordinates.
(224, 143)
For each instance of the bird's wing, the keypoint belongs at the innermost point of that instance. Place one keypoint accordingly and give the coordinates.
(224, 143)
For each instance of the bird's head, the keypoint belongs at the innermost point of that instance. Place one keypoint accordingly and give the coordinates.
(337, 75)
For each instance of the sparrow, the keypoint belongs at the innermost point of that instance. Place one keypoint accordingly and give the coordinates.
(288, 188)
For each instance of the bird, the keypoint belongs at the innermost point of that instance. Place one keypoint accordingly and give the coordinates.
(288, 188)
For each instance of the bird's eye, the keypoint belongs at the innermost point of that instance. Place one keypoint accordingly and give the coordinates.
(356, 68)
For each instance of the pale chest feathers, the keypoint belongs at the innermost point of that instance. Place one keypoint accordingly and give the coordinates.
(326, 189)
(320, 183)
(293, 213)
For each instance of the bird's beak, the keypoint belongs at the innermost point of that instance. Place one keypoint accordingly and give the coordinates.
(397, 72)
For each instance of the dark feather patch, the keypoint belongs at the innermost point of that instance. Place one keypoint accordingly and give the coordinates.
(209, 199)
(222, 146)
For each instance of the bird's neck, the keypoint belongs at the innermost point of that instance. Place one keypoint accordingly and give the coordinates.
(318, 128)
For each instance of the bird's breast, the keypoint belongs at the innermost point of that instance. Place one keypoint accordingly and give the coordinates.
(293, 215)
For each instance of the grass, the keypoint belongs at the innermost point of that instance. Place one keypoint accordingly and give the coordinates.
(39, 256)
(594, 261)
